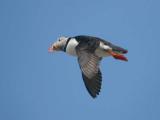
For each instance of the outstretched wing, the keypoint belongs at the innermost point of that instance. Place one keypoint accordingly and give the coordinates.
(89, 65)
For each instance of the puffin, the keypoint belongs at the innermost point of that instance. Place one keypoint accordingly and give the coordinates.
(89, 51)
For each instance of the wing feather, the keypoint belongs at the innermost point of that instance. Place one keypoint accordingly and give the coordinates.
(91, 74)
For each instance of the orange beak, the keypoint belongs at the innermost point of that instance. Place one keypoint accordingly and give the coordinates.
(52, 48)
(118, 56)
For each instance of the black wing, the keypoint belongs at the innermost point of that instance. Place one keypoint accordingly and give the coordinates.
(89, 65)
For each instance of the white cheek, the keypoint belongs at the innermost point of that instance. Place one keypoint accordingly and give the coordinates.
(101, 51)
(104, 47)
(56, 43)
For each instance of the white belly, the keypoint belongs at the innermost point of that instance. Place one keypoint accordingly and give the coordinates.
(71, 47)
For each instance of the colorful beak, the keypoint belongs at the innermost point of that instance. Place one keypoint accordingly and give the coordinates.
(50, 49)
(53, 48)
(118, 56)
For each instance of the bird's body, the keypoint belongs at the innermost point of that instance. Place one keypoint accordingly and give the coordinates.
(89, 50)
(70, 49)
(99, 51)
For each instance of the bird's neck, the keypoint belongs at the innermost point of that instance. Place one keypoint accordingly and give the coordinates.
(71, 47)
(66, 44)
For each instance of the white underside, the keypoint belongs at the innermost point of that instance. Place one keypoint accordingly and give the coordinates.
(100, 52)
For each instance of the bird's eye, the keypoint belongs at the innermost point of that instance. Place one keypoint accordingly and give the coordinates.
(59, 40)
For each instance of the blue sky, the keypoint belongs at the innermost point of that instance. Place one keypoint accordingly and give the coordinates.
(36, 85)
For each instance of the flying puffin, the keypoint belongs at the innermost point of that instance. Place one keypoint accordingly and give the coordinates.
(89, 50)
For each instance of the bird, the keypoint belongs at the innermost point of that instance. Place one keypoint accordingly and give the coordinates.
(89, 51)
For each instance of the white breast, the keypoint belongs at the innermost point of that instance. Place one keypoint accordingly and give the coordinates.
(70, 49)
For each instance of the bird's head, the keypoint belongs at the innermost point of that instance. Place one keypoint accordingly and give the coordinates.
(58, 45)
